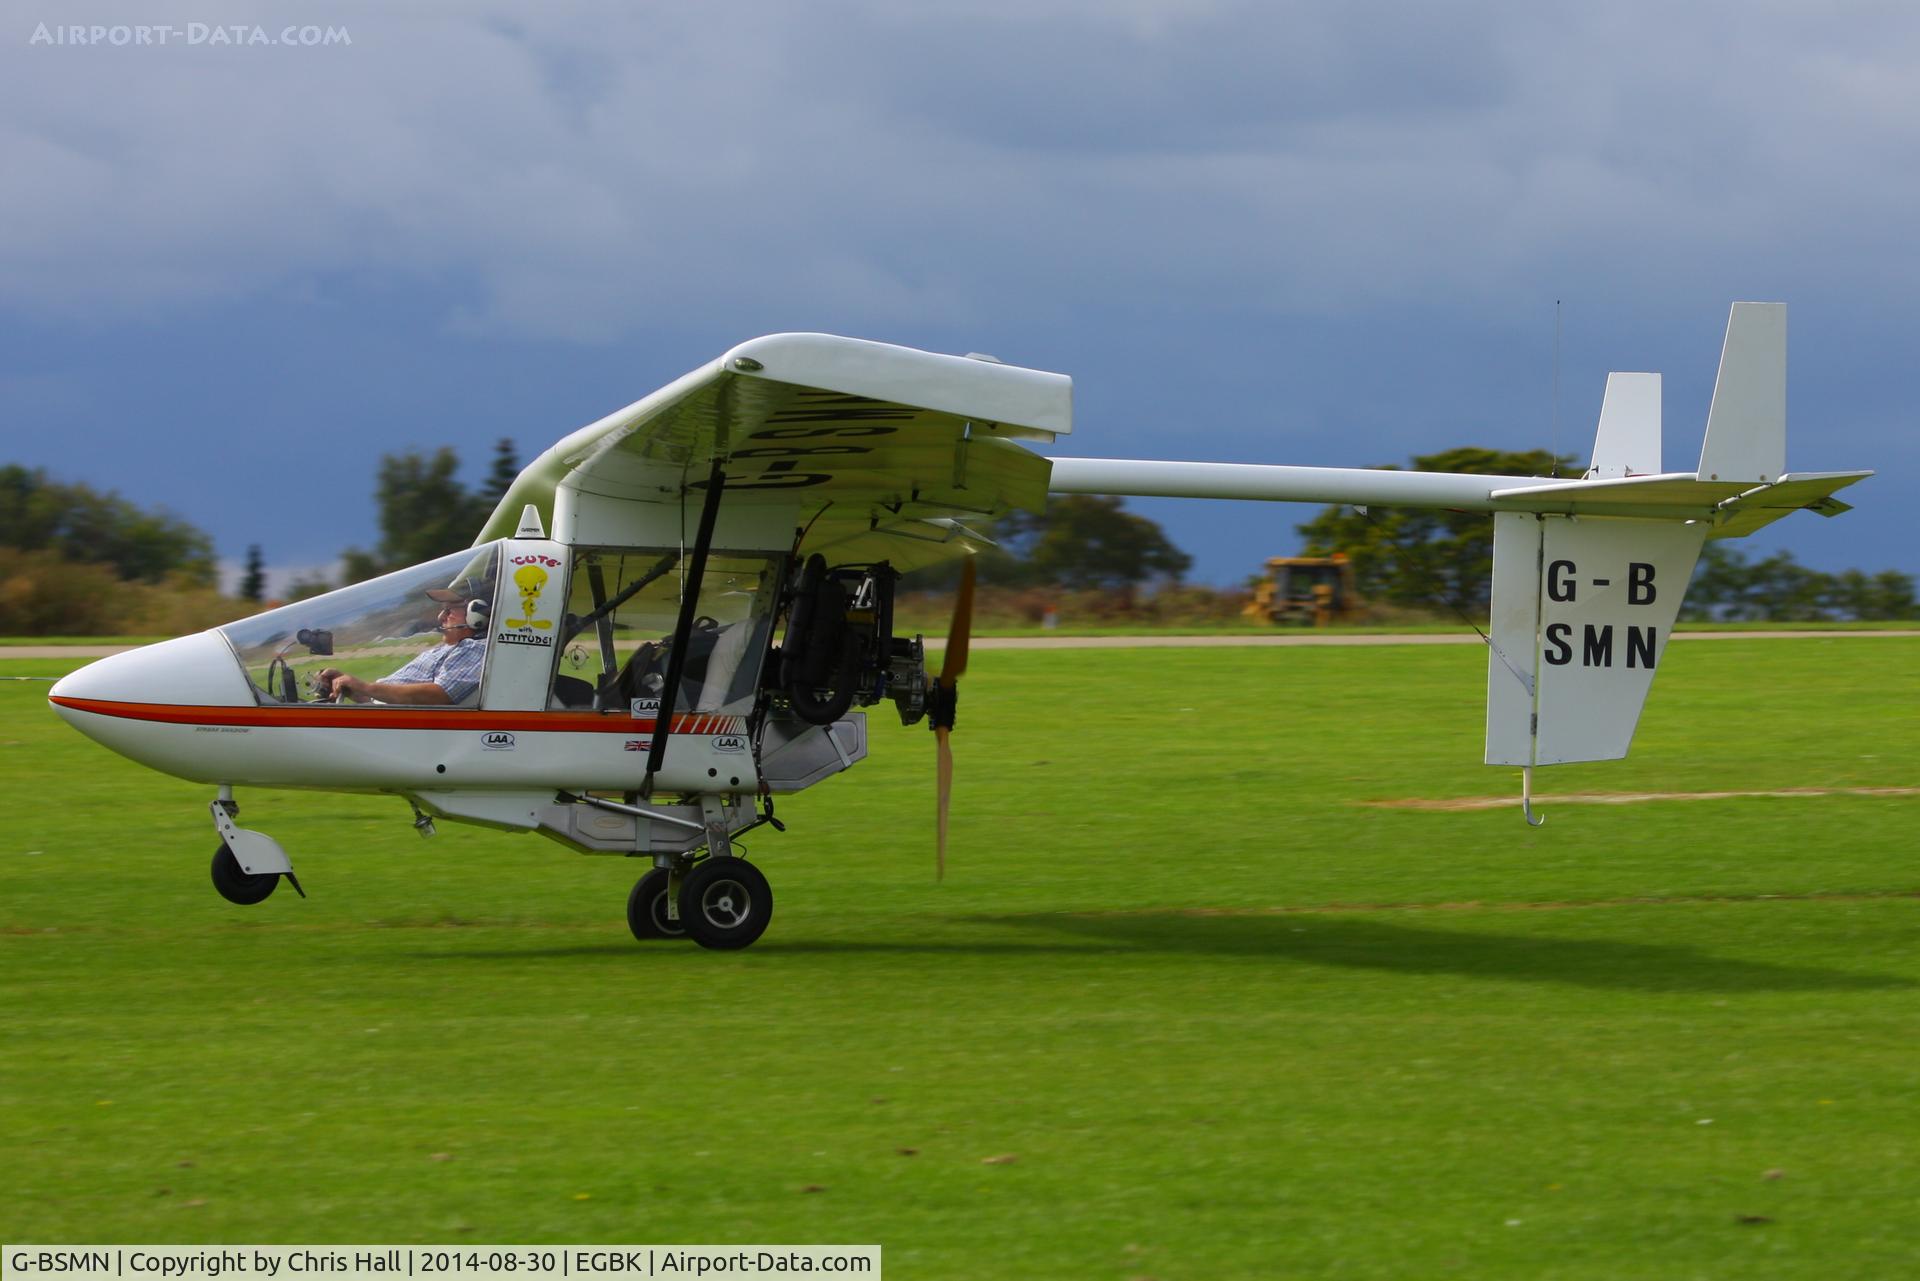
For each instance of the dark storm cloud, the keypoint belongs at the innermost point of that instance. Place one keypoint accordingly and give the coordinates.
(1192, 80)
(1315, 233)
(578, 165)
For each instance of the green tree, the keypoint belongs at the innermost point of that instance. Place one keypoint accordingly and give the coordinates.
(1890, 595)
(253, 583)
(1786, 590)
(425, 511)
(506, 467)
(1418, 557)
(78, 523)
(1726, 585)
(1082, 542)
(1722, 579)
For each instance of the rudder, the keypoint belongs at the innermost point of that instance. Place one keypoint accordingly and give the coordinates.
(1582, 611)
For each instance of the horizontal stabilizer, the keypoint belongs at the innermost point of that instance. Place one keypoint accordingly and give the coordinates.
(1732, 507)
(1582, 611)
(1762, 505)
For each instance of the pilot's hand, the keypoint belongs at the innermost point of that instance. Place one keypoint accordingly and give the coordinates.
(336, 686)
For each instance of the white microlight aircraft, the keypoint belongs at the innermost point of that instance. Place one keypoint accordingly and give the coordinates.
(680, 606)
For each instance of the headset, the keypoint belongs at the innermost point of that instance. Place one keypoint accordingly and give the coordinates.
(475, 617)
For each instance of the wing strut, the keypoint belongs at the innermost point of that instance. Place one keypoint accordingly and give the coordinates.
(683, 627)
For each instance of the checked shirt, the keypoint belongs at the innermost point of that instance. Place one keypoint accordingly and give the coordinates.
(454, 668)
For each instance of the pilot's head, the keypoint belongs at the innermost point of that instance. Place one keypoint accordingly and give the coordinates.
(463, 609)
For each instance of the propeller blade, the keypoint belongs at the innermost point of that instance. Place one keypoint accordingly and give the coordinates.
(944, 767)
(941, 700)
(960, 631)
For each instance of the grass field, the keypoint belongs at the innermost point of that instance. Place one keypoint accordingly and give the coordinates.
(1187, 1006)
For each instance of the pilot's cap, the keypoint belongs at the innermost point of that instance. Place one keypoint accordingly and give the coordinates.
(462, 589)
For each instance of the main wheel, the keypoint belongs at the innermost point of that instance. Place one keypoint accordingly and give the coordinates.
(725, 903)
(236, 885)
(647, 909)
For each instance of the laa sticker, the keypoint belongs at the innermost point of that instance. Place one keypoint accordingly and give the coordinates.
(730, 743)
(644, 708)
(497, 741)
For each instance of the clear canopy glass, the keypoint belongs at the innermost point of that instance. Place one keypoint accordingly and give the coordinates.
(370, 629)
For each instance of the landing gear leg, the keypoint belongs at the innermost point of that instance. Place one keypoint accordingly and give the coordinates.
(248, 866)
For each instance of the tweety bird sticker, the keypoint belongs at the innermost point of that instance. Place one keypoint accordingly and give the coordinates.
(531, 580)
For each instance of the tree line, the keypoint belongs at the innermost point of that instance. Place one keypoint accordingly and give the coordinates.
(1729, 586)
(77, 523)
(1422, 559)
(82, 562)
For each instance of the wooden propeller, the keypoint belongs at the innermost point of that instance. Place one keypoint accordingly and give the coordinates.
(945, 693)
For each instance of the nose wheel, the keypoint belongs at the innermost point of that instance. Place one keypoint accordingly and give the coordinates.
(236, 885)
(725, 903)
(248, 865)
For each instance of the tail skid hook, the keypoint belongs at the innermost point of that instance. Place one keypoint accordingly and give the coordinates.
(1526, 797)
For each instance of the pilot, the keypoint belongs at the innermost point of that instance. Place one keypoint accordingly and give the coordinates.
(444, 674)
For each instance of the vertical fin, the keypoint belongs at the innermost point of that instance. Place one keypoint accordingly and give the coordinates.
(1628, 442)
(1582, 610)
(1747, 426)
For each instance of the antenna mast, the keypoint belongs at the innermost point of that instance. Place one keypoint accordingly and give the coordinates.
(1554, 466)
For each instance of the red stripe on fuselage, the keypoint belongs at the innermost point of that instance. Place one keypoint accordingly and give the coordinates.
(333, 716)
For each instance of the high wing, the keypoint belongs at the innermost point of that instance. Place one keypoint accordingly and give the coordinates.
(877, 452)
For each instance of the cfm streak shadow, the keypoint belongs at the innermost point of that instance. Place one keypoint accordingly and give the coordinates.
(1305, 939)
(1371, 944)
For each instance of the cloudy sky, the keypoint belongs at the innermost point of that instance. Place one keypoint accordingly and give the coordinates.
(232, 275)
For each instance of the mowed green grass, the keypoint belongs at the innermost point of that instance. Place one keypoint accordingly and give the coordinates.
(1185, 1006)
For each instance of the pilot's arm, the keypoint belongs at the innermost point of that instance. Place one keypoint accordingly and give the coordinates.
(434, 679)
(351, 689)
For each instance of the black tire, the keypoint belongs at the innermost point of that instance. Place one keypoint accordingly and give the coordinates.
(239, 886)
(725, 903)
(647, 909)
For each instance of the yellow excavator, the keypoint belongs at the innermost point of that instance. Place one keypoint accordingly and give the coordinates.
(1306, 591)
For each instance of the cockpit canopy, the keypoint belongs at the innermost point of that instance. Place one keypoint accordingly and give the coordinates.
(608, 651)
(369, 629)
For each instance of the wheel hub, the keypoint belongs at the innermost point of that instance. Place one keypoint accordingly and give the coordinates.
(726, 904)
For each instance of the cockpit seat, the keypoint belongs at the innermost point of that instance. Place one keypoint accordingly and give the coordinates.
(571, 691)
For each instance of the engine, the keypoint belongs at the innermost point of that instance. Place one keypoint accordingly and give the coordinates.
(839, 650)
